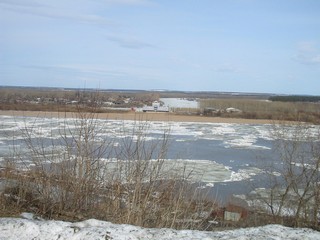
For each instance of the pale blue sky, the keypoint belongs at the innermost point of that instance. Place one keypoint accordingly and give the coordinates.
(265, 46)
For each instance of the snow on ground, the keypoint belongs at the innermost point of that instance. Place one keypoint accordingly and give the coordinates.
(29, 228)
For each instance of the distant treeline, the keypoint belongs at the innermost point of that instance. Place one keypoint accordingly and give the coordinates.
(294, 98)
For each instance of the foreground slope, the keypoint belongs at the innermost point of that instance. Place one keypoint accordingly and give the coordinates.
(29, 228)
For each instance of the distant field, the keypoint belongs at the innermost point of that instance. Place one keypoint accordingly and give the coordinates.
(264, 109)
(251, 105)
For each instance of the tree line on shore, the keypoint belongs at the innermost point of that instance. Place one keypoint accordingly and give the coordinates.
(295, 98)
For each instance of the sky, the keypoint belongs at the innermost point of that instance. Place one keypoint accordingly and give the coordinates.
(263, 46)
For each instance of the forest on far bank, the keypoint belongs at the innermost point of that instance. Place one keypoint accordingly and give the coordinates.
(295, 98)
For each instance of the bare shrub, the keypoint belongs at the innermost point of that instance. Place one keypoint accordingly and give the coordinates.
(78, 171)
(294, 180)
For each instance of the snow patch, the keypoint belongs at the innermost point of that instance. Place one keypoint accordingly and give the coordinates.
(25, 229)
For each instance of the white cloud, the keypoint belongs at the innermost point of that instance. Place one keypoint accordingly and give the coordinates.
(128, 42)
(308, 53)
(183, 61)
(227, 69)
(52, 11)
(80, 69)
(127, 2)
(23, 3)
(307, 59)
(98, 72)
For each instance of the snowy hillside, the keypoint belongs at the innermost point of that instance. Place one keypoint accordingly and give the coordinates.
(29, 228)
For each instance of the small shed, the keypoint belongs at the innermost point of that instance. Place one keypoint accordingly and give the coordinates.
(210, 111)
(230, 213)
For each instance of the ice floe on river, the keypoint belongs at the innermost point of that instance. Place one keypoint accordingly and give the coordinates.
(209, 148)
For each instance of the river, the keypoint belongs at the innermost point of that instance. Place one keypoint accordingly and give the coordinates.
(227, 158)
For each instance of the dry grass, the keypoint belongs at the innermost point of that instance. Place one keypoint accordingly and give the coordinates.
(53, 108)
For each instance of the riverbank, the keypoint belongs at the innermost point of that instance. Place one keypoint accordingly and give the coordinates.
(139, 116)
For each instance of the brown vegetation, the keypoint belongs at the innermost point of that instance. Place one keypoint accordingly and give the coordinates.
(211, 104)
(51, 98)
(262, 109)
